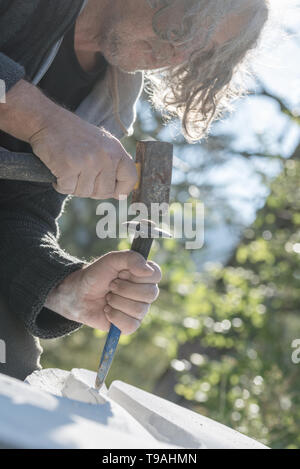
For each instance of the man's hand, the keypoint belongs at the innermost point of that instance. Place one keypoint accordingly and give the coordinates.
(87, 161)
(116, 289)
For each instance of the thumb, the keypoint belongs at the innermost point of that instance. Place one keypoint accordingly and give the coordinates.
(138, 266)
(132, 261)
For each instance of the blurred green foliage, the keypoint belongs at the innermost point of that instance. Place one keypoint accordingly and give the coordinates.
(242, 319)
(219, 339)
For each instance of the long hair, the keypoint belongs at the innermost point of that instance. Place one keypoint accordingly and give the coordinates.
(200, 90)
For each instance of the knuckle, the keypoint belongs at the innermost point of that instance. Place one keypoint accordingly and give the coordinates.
(139, 309)
(66, 186)
(132, 326)
(153, 292)
(115, 288)
(126, 275)
(144, 311)
(159, 276)
(119, 286)
(82, 195)
(136, 257)
(65, 191)
(111, 299)
(61, 190)
(157, 271)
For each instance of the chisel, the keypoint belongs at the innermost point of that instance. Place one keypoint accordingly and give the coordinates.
(154, 160)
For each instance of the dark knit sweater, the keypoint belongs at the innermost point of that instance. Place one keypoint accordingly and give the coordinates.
(28, 30)
(31, 261)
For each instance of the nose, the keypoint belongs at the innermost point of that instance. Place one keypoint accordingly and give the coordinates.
(167, 55)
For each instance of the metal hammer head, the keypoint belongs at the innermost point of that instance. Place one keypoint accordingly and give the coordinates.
(155, 161)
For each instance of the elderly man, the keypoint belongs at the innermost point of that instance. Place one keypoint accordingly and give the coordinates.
(73, 71)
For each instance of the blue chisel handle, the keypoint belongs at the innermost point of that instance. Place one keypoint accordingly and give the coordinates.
(108, 354)
(143, 247)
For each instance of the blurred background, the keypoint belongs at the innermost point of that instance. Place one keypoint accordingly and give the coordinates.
(219, 339)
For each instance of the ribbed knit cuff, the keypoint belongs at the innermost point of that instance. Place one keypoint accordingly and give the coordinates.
(10, 72)
(30, 289)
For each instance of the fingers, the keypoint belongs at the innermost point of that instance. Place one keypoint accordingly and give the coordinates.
(126, 324)
(96, 321)
(154, 277)
(134, 309)
(126, 260)
(143, 292)
(109, 266)
(105, 184)
(103, 174)
(125, 293)
(85, 185)
(66, 185)
(127, 312)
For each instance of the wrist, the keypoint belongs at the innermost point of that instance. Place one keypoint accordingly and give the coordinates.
(63, 299)
(26, 111)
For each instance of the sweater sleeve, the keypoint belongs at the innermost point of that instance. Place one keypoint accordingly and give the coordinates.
(31, 261)
(10, 72)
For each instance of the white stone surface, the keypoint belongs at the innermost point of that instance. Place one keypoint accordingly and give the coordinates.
(59, 409)
(51, 380)
(80, 385)
(173, 424)
(77, 384)
(33, 418)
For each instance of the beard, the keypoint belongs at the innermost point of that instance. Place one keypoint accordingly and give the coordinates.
(123, 53)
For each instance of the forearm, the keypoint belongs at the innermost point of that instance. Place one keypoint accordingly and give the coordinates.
(26, 111)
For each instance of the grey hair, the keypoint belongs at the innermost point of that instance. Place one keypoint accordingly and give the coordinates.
(202, 89)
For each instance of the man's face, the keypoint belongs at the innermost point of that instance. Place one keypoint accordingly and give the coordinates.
(130, 43)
